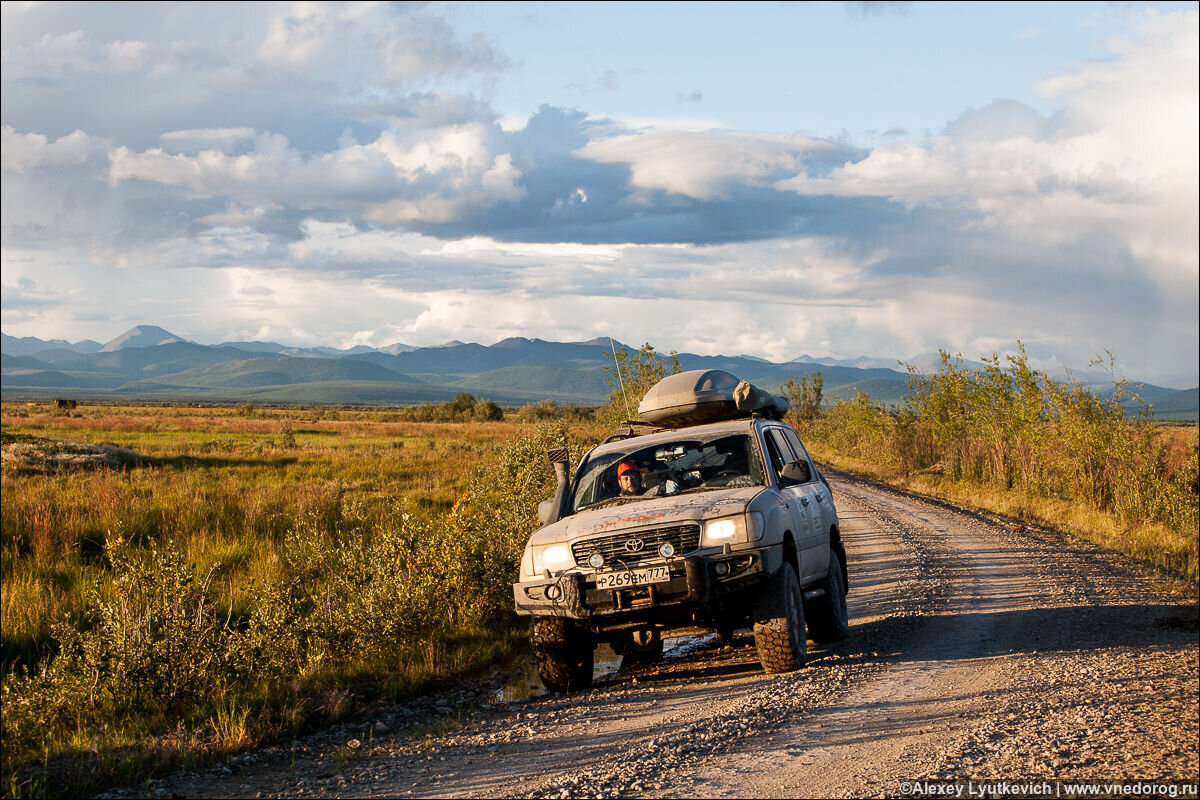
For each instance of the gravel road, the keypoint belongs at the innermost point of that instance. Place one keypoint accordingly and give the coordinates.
(978, 650)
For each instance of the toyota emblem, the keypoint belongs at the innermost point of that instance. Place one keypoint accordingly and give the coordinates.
(634, 545)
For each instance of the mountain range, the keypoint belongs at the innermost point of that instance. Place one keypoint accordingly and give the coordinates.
(150, 363)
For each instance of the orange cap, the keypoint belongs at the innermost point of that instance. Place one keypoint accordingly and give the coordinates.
(627, 466)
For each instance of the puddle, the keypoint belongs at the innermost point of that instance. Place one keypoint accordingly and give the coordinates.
(677, 646)
(527, 685)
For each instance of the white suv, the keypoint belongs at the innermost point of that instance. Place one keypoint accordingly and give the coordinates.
(732, 525)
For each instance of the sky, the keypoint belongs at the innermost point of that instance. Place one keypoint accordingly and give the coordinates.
(769, 179)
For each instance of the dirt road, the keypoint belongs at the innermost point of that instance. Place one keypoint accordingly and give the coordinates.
(977, 651)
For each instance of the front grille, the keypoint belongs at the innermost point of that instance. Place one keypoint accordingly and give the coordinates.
(617, 548)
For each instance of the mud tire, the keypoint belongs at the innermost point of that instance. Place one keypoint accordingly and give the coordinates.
(828, 619)
(779, 632)
(564, 652)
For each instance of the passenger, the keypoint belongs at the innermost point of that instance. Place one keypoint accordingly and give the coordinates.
(629, 478)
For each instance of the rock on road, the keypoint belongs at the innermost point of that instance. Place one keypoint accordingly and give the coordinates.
(976, 651)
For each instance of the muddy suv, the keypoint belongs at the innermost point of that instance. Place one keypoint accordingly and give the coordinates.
(701, 527)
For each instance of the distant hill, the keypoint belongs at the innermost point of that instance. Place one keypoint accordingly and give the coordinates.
(257, 372)
(882, 390)
(141, 336)
(148, 362)
(1174, 405)
(142, 362)
(576, 385)
(20, 362)
(43, 379)
(28, 345)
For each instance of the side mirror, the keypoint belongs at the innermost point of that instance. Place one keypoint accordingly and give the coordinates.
(545, 509)
(795, 472)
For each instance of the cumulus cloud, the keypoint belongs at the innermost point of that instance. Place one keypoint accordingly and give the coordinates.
(396, 179)
(1118, 164)
(27, 151)
(704, 165)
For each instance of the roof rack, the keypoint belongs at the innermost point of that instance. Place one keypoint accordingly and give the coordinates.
(629, 432)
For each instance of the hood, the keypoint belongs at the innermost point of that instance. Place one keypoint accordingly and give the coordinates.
(658, 511)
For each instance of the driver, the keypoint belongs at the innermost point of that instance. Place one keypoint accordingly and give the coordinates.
(629, 478)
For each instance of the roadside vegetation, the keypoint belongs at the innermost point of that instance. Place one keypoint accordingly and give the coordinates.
(232, 576)
(1009, 439)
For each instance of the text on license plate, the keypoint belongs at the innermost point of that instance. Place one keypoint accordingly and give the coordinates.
(632, 577)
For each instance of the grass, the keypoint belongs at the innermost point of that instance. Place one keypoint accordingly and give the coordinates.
(247, 574)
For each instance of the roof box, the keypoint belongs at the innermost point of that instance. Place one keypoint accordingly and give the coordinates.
(706, 395)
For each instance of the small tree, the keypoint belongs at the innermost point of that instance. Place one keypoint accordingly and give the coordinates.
(488, 411)
(804, 396)
(462, 406)
(631, 376)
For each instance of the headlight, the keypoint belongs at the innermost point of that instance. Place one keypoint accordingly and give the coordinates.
(742, 528)
(555, 557)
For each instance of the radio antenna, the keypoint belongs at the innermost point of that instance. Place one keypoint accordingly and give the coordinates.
(617, 366)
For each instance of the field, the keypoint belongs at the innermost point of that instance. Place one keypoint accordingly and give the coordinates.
(317, 559)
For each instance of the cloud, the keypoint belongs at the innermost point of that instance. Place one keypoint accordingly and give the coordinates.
(23, 152)
(125, 56)
(1117, 166)
(705, 165)
(399, 178)
(873, 8)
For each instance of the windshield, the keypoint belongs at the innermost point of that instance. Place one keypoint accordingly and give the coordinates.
(686, 465)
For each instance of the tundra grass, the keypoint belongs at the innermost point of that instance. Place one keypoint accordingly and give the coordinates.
(250, 573)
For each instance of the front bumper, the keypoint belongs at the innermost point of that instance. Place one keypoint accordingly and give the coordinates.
(694, 585)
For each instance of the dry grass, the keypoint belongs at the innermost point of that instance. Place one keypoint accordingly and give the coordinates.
(261, 533)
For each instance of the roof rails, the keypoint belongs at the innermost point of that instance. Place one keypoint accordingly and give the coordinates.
(629, 432)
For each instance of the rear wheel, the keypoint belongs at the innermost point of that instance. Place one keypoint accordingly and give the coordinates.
(779, 623)
(564, 652)
(828, 619)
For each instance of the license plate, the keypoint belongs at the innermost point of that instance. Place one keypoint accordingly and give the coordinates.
(632, 577)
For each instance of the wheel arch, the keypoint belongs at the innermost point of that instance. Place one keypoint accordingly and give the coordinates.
(790, 554)
(836, 544)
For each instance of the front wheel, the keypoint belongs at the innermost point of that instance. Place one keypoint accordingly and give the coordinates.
(564, 652)
(779, 623)
(828, 619)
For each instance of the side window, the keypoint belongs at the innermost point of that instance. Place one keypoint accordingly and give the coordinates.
(774, 454)
(781, 443)
(784, 444)
(794, 441)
